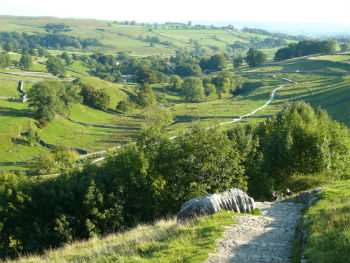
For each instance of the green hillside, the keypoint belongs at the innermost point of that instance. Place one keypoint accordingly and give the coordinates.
(168, 241)
(132, 38)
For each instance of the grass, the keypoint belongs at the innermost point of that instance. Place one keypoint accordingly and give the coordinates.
(164, 242)
(328, 222)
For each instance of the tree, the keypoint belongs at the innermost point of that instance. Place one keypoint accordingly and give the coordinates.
(145, 96)
(67, 58)
(217, 62)
(5, 60)
(124, 105)
(223, 83)
(193, 89)
(55, 66)
(175, 83)
(93, 97)
(344, 46)
(255, 57)
(26, 61)
(146, 75)
(48, 98)
(8, 47)
(209, 89)
(237, 61)
(158, 117)
(42, 52)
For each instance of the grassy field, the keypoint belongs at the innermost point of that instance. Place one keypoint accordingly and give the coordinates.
(117, 37)
(164, 242)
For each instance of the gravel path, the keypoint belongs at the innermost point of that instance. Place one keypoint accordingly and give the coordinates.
(267, 238)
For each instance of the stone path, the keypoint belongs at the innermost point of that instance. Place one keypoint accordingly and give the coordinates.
(268, 238)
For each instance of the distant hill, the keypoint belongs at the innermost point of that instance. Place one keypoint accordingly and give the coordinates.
(141, 38)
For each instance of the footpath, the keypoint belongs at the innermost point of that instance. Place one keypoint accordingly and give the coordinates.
(267, 238)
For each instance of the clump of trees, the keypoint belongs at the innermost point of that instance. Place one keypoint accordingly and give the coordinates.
(155, 176)
(49, 98)
(58, 40)
(298, 142)
(55, 66)
(5, 60)
(304, 48)
(26, 61)
(255, 57)
(96, 98)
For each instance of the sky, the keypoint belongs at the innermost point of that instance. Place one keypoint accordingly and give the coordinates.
(334, 11)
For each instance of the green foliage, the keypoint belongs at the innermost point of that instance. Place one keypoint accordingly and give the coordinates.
(48, 98)
(124, 105)
(67, 58)
(304, 48)
(98, 99)
(145, 96)
(344, 46)
(209, 89)
(146, 76)
(142, 182)
(59, 160)
(193, 90)
(215, 62)
(5, 60)
(237, 61)
(175, 83)
(33, 136)
(159, 117)
(255, 57)
(26, 61)
(295, 149)
(55, 66)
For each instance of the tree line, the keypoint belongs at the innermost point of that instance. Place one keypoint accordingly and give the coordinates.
(150, 179)
(305, 48)
(16, 40)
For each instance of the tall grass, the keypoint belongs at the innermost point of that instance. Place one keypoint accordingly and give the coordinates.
(165, 241)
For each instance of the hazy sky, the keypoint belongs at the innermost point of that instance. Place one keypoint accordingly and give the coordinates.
(337, 11)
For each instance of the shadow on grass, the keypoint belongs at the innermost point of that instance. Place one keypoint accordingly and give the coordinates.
(17, 164)
(11, 112)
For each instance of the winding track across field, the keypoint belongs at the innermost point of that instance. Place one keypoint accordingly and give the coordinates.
(222, 123)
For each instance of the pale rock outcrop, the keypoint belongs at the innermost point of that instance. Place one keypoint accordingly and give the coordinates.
(231, 199)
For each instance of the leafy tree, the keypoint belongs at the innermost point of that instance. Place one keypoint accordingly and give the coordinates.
(344, 46)
(255, 57)
(158, 117)
(175, 83)
(8, 47)
(67, 58)
(193, 89)
(209, 89)
(26, 61)
(237, 61)
(146, 75)
(124, 105)
(48, 98)
(55, 66)
(93, 97)
(5, 60)
(42, 52)
(145, 96)
(218, 62)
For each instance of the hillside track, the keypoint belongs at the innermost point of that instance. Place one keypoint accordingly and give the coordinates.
(256, 239)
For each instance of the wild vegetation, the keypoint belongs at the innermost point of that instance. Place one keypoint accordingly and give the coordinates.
(109, 96)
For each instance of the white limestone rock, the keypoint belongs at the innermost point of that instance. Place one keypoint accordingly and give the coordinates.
(231, 199)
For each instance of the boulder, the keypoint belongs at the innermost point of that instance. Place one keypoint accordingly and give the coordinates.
(231, 199)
